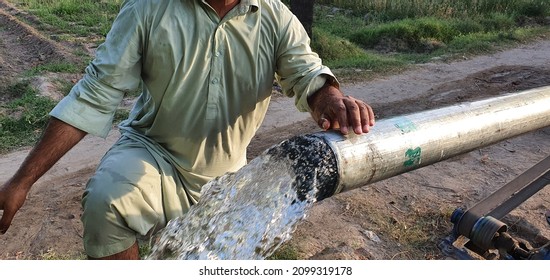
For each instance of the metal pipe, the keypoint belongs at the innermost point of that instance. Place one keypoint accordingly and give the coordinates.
(400, 144)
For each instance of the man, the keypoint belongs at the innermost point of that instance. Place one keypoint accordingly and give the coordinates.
(205, 69)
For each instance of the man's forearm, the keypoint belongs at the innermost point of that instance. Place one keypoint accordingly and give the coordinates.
(57, 139)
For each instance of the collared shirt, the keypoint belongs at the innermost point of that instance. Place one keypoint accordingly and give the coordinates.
(206, 82)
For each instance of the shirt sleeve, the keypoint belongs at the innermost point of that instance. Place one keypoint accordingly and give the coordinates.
(300, 71)
(116, 70)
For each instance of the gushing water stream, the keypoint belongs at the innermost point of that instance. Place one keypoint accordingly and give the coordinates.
(248, 214)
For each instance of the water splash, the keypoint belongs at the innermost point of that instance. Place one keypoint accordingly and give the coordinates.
(248, 214)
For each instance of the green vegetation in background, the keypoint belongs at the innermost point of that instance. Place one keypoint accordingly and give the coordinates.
(389, 10)
(77, 17)
(397, 33)
(22, 119)
(437, 36)
(59, 67)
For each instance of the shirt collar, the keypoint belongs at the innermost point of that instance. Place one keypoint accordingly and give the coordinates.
(245, 6)
(248, 5)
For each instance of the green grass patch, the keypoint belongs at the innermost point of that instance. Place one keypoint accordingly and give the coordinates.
(361, 35)
(53, 255)
(411, 232)
(428, 34)
(389, 10)
(285, 252)
(479, 43)
(408, 35)
(59, 67)
(23, 118)
(77, 17)
(120, 115)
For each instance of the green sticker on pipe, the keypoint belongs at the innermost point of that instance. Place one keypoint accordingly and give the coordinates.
(413, 157)
(404, 124)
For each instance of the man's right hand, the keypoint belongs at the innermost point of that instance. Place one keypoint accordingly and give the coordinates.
(58, 138)
(12, 198)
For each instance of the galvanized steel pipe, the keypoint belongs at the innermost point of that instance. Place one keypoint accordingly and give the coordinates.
(400, 144)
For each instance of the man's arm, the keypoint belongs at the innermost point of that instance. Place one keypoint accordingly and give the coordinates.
(331, 109)
(301, 74)
(57, 139)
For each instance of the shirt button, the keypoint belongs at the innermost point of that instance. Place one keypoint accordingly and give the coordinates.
(217, 54)
(215, 81)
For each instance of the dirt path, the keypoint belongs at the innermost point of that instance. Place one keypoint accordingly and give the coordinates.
(403, 217)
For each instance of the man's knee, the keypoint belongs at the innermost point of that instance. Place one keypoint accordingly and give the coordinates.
(124, 199)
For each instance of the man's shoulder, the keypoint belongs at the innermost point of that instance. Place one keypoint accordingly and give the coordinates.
(274, 8)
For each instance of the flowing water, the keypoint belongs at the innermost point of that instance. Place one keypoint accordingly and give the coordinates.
(248, 214)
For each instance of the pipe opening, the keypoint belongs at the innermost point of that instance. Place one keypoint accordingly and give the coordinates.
(313, 163)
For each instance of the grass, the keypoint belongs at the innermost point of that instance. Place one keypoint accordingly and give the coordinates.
(388, 10)
(22, 118)
(75, 17)
(285, 252)
(410, 233)
(401, 223)
(58, 67)
(386, 36)
(53, 255)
